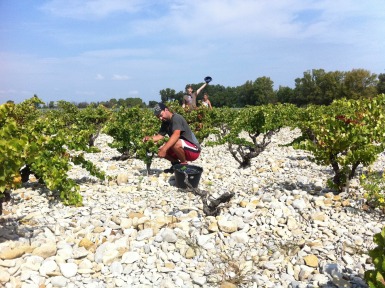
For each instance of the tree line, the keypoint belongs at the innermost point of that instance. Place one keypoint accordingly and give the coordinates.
(316, 86)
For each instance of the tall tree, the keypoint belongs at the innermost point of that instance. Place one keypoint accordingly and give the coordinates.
(132, 102)
(381, 84)
(263, 91)
(306, 88)
(330, 87)
(360, 83)
(113, 102)
(284, 94)
(246, 94)
(167, 95)
(152, 103)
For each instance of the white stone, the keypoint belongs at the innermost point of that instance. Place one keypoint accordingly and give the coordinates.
(116, 269)
(200, 280)
(299, 204)
(130, 257)
(240, 237)
(47, 267)
(145, 234)
(68, 269)
(168, 235)
(58, 281)
(4, 275)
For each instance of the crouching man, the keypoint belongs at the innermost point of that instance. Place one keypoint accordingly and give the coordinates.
(182, 145)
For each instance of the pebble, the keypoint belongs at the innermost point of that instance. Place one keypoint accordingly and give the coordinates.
(283, 227)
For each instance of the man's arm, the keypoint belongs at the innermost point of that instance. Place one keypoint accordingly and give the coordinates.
(171, 142)
(200, 88)
(154, 138)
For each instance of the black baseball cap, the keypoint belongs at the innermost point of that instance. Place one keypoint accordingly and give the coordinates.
(159, 107)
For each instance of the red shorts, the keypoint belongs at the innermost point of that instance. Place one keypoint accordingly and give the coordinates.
(190, 150)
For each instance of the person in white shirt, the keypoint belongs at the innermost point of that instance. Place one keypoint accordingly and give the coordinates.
(206, 102)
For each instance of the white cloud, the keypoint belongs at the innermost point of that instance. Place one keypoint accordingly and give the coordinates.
(250, 20)
(119, 77)
(99, 77)
(88, 9)
(9, 91)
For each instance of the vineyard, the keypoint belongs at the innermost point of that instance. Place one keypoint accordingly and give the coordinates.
(346, 138)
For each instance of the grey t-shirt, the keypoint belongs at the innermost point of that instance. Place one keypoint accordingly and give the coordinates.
(191, 100)
(177, 122)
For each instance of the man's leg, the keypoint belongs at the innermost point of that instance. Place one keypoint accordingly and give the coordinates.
(175, 156)
(177, 153)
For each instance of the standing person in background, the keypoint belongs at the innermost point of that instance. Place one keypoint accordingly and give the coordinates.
(190, 99)
(206, 102)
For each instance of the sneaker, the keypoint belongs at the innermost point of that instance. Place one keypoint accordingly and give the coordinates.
(171, 169)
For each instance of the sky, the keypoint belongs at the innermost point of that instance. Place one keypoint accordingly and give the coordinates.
(96, 50)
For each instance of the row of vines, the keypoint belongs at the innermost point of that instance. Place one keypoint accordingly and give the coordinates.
(343, 136)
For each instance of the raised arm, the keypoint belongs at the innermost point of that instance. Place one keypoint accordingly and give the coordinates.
(200, 88)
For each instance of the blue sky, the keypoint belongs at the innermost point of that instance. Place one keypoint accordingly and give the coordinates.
(95, 50)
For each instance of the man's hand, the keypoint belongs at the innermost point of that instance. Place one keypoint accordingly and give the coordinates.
(162, 152)
(146, 138)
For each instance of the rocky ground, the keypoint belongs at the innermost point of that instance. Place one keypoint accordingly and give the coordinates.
(282, 228)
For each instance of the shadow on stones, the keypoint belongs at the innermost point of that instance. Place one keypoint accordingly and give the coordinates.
(86, 180)
(14, 227)
(122, 157)
(299, 158)
(8, 228)
(357, 206)
(310, 187)
(152, 172)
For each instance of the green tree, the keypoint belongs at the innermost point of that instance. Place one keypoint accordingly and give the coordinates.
(121, 102)
(264, 91)
(51, 104)
(221, 96)
(259, 92)
(246, 94)
(152, 104)
(284, 94)
(132, 102)
(360, 83)
(381, 84)
(318, 87)
(167, 95)
(82, 105)
(113, 102)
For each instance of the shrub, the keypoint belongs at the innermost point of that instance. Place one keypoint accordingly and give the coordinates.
(376, 278)
(374, 185)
